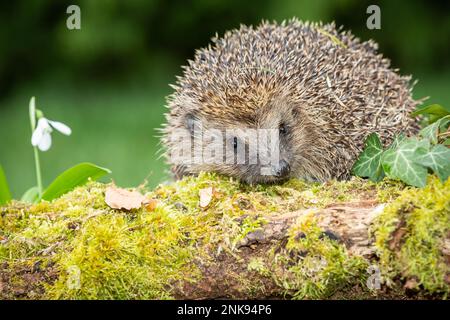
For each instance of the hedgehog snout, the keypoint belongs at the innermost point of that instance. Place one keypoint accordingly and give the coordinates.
(282, 170)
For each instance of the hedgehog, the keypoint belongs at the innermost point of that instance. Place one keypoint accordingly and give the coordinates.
(320, 88)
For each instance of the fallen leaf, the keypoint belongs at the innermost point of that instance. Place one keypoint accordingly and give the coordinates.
(411, 284)
(118, 198)
(243, 203)
(206, 196)
(397, 236)
(151, 205)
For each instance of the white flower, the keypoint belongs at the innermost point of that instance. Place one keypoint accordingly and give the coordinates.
(42, 138)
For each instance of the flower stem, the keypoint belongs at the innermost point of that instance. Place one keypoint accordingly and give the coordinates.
(33, 115)
(38, 171)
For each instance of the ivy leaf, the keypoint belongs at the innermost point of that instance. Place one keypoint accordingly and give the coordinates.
(431, 131)
(368, 163)
(433, 111)
(438, 160)
(444, 124)
(399, 163)
(397, 139)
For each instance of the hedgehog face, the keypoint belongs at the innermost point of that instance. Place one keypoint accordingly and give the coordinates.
(269, 145)
(298, 140)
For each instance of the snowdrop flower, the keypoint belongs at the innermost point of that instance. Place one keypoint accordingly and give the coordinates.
(42, 138)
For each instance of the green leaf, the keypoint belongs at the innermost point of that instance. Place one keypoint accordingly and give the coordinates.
(368, 163)
(431, 131)
(399, 163)
(446, 142)
(5, 194)
(73, 177)
(433, 111)
(397, 139)
(444, 124)
(438, 160)
(31, 195)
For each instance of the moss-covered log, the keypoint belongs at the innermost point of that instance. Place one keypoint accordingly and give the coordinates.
(298, 240)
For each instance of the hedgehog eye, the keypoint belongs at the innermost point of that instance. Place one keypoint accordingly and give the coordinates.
(282, 129)
(235, 143)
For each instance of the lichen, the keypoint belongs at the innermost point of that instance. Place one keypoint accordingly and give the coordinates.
(76, 247)
(410, 236)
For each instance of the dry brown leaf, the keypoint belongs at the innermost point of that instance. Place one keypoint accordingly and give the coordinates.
(118, 198)
(151, 205)
(206, 196)
(411, 284)
(397, 236)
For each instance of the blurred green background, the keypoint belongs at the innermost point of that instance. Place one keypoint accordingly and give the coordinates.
(108, 81)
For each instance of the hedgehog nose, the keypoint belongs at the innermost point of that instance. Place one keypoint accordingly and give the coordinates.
(283, 169)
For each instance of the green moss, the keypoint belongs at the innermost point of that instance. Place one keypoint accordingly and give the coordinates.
(130, 255)
(388, 190)
(258, 265)
(92, 251)
(296, 194)
(118, 254)
(121, 257)
(316, 266)
(410, 235)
